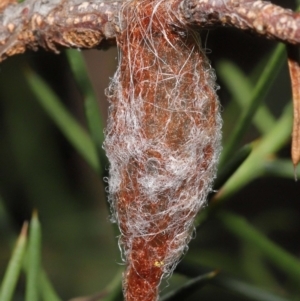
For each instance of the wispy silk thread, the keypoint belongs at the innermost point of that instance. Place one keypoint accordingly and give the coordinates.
(162, 140)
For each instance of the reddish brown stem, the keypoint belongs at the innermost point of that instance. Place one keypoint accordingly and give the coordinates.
(294, 67)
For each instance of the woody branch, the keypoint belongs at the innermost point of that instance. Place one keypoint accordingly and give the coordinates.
(94, 24)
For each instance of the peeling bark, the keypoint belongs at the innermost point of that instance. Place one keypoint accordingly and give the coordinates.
(94, 24)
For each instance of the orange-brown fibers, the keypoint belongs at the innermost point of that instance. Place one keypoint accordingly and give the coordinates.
(162, 140)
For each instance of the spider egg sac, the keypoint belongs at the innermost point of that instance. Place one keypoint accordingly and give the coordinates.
(162, 141)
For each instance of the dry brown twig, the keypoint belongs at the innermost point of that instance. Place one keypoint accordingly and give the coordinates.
(163, 134)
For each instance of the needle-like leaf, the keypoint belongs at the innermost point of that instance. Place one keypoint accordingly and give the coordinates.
(14, 266)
